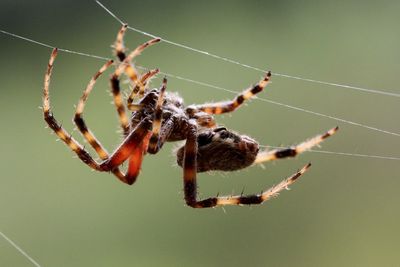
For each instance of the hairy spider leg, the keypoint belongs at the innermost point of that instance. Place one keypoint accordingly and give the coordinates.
(130, 71)
(92, 140)
(55, 126)
(229, 106)
(144, 80)
(166, 129)
(116, 92)
(293, 151)
(157, 117)
(119, 43)
(255, 198)
(161, 130)
(130, 143)
(79, 121)
(135, 139)
(135, 160)
(190, 183)
(127, 68)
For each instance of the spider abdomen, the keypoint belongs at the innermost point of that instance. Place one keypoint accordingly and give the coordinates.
(222, 150)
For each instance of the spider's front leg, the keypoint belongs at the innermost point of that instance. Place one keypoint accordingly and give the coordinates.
(127, 68)
(139, 82)
(137, 139)
(190, 181)
(137, 153)
(144, 80)
(56, 126)
(133, 145)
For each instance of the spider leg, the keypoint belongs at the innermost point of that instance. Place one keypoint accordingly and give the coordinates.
(116, 92)
(229, 106)
(251, 199)
(160, 131)
(78, 119)
(119, 43)
(133, 147)
(157, 118)
(56, 127)
(129, 69)
(190, 166)
(190, 183)
(134, 140)
(293, 150)
(128, 146)
(88, 134)
(165, 132)
(135, 160)
(144, 80)
(148, 75)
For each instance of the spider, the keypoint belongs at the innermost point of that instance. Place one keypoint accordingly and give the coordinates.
(157, 117)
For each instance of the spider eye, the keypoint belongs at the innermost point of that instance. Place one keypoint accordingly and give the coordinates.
(204, 139)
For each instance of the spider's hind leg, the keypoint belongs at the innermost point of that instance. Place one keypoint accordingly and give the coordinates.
(293, 151)
(190, 181)
(251, 199)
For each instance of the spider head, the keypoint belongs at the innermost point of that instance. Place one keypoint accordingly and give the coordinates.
(223, 150)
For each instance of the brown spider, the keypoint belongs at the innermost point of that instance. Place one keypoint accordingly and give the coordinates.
(160, 116)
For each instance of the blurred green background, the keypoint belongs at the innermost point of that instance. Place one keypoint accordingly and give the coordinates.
(343, 212)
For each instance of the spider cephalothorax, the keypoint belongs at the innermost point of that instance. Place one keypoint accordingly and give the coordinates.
(158, 116)
(217, 148)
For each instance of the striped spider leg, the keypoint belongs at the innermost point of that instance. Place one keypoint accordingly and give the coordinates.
(229, 106)
(132, 147)
(127, 67)
(139, 81)
(190, 182)
(295, 150)
(220, 139)
(263, 156)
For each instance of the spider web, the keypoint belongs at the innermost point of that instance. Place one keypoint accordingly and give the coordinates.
(20, 250)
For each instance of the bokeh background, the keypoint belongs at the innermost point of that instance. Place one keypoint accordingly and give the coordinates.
(343, 212)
